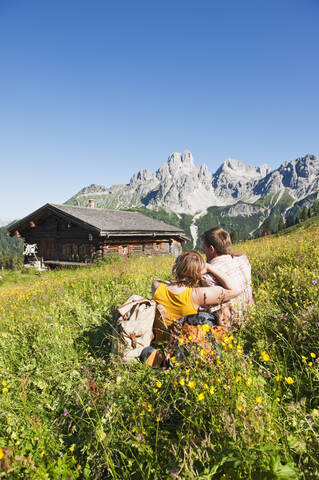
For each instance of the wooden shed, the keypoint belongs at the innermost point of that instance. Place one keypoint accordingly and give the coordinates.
(64, 234)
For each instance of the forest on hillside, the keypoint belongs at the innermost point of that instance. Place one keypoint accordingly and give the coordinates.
(10, 250)
(9, 244)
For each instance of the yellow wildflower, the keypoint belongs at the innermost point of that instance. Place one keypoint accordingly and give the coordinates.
(277, 378)
(191, 384)
(42, 453)
(79, 467)
(259, 400)
(310, 364)
(315, 412)
(238, 379)
(289, 380)
(187, 371)
(158, 384)
(265, 356)
(1, 453)
(240, 407)
(149, 407)
(262, 285)
(304, 359)
(212, 390)
(206, 386)
(201, 396)
(181, 381)
(249, 382)
(158, 419)
(4, 383)
(206, 328)
(278, 399)
(313, 355)
(4, 390)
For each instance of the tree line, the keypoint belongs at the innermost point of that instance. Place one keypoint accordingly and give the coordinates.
(10, 251)
(292, 219)
(271, 226)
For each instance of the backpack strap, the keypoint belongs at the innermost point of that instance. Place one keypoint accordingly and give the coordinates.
(133, 338)
(124, 310)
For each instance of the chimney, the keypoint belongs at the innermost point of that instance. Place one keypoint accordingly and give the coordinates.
(91, 203)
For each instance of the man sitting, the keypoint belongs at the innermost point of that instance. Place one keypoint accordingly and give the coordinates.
(217, 246)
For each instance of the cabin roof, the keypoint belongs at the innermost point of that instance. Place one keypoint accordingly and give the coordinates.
(104, 222)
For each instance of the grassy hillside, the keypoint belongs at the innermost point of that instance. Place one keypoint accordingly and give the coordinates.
(71, 410)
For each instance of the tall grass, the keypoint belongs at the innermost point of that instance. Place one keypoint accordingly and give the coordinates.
(69, 409)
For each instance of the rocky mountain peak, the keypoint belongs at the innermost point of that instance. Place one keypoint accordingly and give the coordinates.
(180, 163)
(236, 168)
(182, 187)
(263, 169)
(142, 176)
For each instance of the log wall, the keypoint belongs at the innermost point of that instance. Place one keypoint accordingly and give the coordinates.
(58, 239)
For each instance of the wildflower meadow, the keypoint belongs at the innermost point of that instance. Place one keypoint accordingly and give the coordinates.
(71, 409)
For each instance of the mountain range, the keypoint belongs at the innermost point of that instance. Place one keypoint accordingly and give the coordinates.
(238, 197)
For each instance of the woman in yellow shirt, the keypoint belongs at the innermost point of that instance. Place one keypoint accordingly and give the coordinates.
(180, 297)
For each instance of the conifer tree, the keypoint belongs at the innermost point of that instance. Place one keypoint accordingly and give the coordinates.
(281, 224)
(234, 236)
(304, 214)
(315, 207)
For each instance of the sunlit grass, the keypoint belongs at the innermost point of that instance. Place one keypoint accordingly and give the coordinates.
(70, 410)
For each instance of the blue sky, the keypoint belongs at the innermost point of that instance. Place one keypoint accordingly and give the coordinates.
(92, 91)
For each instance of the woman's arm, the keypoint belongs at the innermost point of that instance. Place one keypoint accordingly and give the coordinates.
(213, 295)
(155, 284)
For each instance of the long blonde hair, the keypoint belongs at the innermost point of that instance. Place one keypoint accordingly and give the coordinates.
(188, 267)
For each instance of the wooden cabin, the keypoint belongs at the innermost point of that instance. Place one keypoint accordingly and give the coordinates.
(64, 234)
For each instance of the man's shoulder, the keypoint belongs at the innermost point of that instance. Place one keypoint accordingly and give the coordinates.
(221, 260)
(241, 260)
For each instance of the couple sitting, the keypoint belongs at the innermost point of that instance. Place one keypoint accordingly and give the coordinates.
(211, 308)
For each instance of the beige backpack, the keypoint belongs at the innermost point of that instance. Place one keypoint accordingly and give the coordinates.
(135, 326)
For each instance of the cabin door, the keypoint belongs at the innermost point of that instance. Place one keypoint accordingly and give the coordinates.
(47, 248)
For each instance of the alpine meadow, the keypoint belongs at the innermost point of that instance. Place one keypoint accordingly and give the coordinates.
(71, 409)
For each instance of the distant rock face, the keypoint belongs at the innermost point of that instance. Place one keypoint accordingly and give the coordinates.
(235, 181)
(182, 187)
(243, 209)
(301, 177)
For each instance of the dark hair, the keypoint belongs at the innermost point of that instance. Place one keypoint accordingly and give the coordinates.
(219, 239)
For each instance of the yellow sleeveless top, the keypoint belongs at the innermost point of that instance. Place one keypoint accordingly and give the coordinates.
(176, 305)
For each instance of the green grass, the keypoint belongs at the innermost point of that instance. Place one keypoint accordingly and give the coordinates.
(70, 409)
